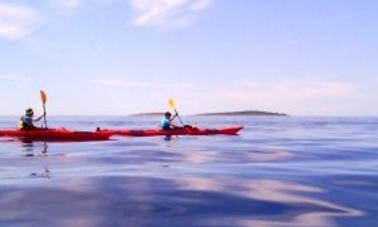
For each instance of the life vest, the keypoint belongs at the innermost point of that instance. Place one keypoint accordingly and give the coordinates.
(165, 124)
(24, 125)
(21, 124)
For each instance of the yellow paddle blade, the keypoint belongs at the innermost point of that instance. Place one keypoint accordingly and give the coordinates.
(171, 104)
(43, 97)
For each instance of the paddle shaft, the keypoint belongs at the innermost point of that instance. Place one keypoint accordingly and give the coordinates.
(173, 106)
(44, 115)
(44, 100)
(178, 116)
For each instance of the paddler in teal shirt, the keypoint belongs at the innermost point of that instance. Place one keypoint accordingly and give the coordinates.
(166, 122)
(26, 121)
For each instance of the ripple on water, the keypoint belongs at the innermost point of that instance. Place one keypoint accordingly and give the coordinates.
(277, 172)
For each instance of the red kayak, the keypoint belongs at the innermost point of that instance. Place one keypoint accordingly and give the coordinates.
(60, 134)
(65, 135)
(181, 131)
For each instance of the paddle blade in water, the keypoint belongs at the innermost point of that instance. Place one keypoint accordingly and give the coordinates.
(43, 97)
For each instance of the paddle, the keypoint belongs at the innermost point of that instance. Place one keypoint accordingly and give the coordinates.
(173, 107)
(44, 100)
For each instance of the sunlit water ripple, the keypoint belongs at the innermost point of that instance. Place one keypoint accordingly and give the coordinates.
(280, 171)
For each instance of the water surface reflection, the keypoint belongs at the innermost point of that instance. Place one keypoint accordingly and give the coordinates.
(189, 201)
(278, 172)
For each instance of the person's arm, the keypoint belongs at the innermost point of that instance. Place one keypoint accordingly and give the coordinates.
(173, 125)
(174, 116)
(39, 118)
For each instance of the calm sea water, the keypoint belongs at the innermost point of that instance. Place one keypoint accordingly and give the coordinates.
(280, 171)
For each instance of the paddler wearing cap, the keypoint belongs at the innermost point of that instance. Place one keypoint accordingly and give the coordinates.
(26, 121)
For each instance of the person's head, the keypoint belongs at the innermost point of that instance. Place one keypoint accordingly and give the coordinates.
(29, 112)
(168, 115)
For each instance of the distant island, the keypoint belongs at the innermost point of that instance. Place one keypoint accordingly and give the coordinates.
(227, 113)
(243, 113)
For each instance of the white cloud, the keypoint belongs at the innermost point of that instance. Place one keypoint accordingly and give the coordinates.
(10, 77)
(249, 83)
(177, 87)
(251, 91)
(69, 3)
(300, 96)
(289, 91)
(16, 21)
(200, 5)
(7, 77)
(167, 13)
(115, 82)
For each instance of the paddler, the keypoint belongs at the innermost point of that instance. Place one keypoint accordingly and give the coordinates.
(167, 122)
(26, 121)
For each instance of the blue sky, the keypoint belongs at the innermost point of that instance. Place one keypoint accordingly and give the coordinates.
(303, 57)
